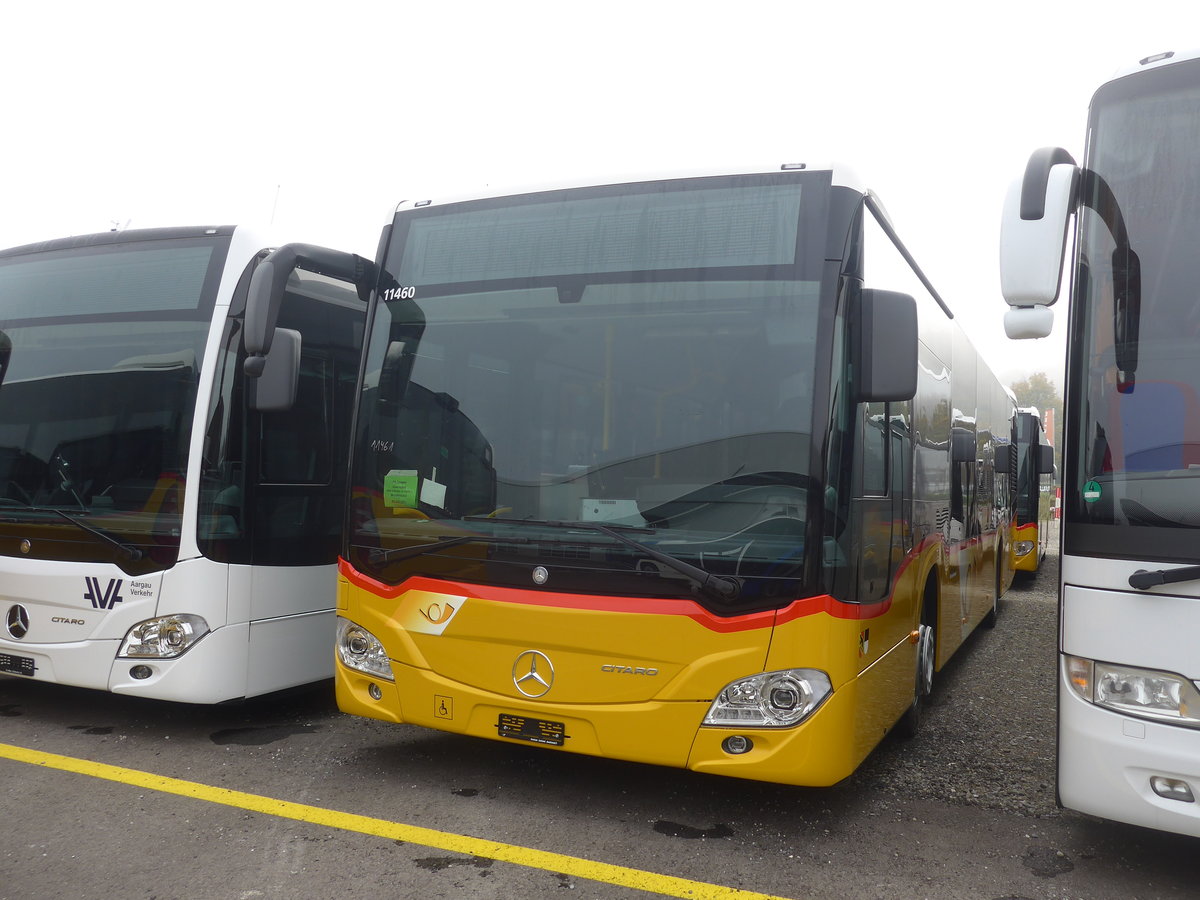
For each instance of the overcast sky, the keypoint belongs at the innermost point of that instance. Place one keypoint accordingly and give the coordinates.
(319, 117)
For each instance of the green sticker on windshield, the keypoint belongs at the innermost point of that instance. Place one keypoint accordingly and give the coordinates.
(400, 489)
(1091, 492)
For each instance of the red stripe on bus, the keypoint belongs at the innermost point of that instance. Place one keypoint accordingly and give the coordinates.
(798, 609)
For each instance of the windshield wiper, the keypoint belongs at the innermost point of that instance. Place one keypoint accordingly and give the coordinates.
(132, 553)
(1143, 579)
(717, 587)
(377, 556)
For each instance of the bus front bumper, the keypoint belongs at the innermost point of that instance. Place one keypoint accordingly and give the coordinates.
(1109, 764)
(818, 752)
(212, 671)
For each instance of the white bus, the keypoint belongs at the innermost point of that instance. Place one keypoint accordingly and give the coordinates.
(169, 525)
(1129, 663)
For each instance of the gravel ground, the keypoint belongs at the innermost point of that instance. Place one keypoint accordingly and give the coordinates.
(987, 738)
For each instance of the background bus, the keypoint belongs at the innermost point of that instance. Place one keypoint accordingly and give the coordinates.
(1129, 710)
(1033, 497)
(169, 527)
(663, 471)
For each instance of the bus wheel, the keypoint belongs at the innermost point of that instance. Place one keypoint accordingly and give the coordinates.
(910, 722)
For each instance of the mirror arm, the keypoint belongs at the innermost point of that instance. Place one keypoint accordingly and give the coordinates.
(1037, 177)
(269, 281)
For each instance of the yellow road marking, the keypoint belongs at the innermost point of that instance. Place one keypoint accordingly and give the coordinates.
(638, 879)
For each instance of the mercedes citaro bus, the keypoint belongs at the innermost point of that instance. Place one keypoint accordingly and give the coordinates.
(169, 524)
(694, 471)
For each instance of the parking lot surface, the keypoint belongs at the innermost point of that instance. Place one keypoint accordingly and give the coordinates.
(285, 797)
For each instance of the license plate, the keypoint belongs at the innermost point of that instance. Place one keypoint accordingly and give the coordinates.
(537, 731)
(16, 665)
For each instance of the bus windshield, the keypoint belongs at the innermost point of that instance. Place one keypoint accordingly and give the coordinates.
(1135, 484)
(98, 393)
(1029, 436)
(555, 367)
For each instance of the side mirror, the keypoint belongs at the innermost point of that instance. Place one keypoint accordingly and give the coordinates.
(962, 445)
(886, 350)
(1033, 240)
(1127, 310)
(1004, 458)
(1045, 459)
(395, 372)
(1024, 322)
(274, 390)
(5, 354)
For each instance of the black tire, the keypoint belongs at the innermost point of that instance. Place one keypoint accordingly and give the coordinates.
(910, 722)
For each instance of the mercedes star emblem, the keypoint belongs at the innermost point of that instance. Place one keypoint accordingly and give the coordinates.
(17, 621)
(533, 673)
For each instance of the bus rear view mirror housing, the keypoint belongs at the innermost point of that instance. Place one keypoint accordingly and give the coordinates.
(1005, 454)
(1026, 322)
(1045, 459)
(274, 390)
(5, 354)
(963, 448)
(1033, 239)
(886, 353)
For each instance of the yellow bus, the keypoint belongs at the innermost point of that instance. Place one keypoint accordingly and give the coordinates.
(692, 471)
(1033, 498)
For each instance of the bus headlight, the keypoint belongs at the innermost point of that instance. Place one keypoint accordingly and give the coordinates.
(770, 699)
(1149, 694)
(164, 637)
(1022, 548)
(360, 650)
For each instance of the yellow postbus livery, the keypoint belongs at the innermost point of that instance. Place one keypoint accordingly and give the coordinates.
(1033, 499)
(688, 471)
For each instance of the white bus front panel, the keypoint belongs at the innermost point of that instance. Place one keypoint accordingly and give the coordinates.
(1106, 762)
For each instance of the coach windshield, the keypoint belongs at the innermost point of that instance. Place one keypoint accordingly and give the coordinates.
(1133, 488)
(97, 399)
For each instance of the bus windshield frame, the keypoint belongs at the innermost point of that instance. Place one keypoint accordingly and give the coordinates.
(547, 369)
(1132, 485)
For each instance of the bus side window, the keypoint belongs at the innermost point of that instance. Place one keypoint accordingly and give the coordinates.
(875, 451)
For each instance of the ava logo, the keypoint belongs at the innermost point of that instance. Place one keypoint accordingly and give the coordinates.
(106, 599)
(435, 614)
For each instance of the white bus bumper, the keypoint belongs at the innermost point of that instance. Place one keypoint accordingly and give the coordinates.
(1106, 762)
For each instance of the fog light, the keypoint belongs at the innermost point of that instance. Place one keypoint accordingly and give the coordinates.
(141, 672)
(1172, 789)
(375, 692)
(737, 744)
